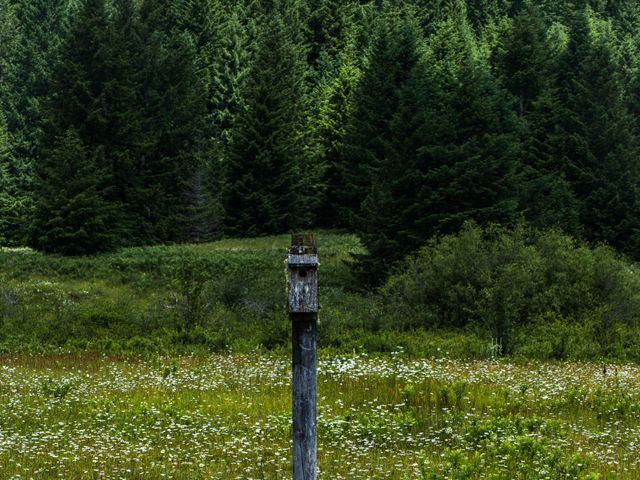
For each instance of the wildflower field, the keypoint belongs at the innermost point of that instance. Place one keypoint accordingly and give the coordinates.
(227, 417)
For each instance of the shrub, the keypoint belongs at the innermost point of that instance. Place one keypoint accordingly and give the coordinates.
(502, 283)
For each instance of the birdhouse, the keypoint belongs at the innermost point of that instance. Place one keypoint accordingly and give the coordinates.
(302, 272)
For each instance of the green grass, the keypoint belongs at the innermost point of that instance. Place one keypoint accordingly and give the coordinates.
(463, 294)
(216, 297)
(173, 362)
(227, 417)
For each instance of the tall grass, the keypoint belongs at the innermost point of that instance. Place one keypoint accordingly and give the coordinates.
(481, 293)
(228, 417)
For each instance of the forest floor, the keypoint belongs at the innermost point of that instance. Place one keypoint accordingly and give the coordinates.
(379, 417)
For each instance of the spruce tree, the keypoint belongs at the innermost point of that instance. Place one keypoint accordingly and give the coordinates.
(384, 220)
(527, 63)
(73, 216)
(391, 59)
(7, 188)
(203, 215)
(335, 110)
(547, 196)
(603, 144)
(451, 152)
(482, 12)
(231, 61)
(121, 104)
(172, 115)
(29, 34)
(72, 213)
(524, 57)
(328, 26)
(471, 158)
(269, 189)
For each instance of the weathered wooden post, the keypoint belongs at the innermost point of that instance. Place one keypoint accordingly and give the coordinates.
(302, 263)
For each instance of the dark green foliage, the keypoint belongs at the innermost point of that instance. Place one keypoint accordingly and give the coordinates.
(73, 216)
(270, 188)
(29, 34)
(472, 155)
(335, 110)
(501, 282)
(202, 214)
(329, 22)
(392, 56)
(7, 189)
(527, 65)
(130, 91)
(232, 53)
(603, 163)
(481, 12)
(523, 56)
(452, 154)
(174, 146)
(387, 217)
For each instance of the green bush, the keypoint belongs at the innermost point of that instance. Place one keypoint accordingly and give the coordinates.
(537, 293)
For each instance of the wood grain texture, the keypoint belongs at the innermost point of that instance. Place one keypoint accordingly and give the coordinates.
(302, 275)
(303, 307)
(304, 398)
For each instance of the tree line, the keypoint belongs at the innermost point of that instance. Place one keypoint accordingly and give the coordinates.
(130, 122)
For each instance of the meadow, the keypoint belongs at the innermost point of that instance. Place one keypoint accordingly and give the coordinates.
(173, 362)
(226, 416)
(208, 298)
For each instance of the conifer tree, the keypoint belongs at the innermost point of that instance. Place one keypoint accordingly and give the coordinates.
(527, 63)
(328, 26)
(173, 112)
(121, 104)
(335, 110)
(481, 12)
(603, 147)
(232, 57)
(268, 188)
(29, 34)
(7, 190)
(525, 58)
(201, 216)
(547, 197)
(451, 153)
(471, 158)
(391, 59)
(384, 220)
(73, 216)
(460, 160)
(73, 173)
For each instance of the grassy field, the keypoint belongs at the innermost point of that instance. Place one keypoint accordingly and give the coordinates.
(210, 298)
(227, 417)
(173, 362)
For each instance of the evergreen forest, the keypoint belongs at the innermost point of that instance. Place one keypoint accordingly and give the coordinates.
(127, 123)
(470, 170)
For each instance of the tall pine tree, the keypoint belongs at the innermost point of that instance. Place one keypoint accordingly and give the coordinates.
(603, 146)
(391, 59)
(471, 158)
(384, 220)
(72, 213)
(269, 188)
(7, 189)
(527, 63)
(29, 35)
